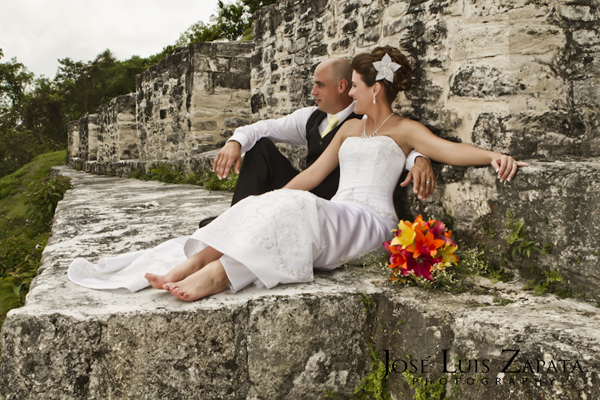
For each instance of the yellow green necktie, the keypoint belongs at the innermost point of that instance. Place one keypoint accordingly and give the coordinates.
(331, 123)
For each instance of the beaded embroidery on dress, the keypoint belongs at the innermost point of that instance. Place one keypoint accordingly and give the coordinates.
(281, 236)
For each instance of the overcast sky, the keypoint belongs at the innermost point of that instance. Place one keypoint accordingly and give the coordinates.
(39, 32)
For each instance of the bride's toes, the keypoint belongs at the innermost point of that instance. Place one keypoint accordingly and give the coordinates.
(178, 292)
(156, 281)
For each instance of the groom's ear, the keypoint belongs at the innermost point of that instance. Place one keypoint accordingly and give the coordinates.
(343, 85)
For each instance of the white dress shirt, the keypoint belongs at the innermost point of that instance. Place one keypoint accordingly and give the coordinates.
(292, 129)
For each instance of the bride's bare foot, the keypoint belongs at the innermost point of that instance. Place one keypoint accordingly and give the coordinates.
(185, 269)
(211, 279)
(178, 273)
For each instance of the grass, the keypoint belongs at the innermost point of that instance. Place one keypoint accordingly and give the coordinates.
(170, 174)
(22, 243)
(14, 186)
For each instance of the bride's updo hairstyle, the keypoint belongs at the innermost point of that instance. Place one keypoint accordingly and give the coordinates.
(363, 64)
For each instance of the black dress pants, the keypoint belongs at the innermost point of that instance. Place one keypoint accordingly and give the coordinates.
(263, 169)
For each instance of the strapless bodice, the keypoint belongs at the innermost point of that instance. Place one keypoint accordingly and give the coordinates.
(369, 171)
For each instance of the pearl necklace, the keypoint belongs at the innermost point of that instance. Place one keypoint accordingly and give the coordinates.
(364, 134)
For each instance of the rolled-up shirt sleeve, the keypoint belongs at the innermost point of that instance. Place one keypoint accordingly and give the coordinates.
(410, 159)
(289, 129)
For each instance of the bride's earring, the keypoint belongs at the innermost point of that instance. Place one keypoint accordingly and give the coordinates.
(374, 98)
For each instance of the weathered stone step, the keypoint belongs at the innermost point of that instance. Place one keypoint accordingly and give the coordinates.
(291, 342)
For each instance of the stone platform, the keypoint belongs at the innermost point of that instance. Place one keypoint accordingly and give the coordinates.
(291, 342)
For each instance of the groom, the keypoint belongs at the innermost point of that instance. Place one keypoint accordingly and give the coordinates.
(265, 168)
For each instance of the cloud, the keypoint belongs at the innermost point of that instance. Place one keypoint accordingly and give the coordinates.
(39, 32)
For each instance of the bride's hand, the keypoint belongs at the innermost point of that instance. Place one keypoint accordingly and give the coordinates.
(506, 167)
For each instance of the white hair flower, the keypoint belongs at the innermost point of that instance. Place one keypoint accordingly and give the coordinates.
(386, 68)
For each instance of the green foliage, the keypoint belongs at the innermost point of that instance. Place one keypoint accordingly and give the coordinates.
(13, 205)
(8, 186)
(168, 174)
(367, 301)
(14, 79)
(424, 390)
(212, 182)
(488, 231)
(517, 239)
(374, 386)
(473, 262)
(455, 279)
(20, 257)
(22, 244)
(548, 248)
(502, 302)
(448, 220)
(548, 282)
(42, 198)
(433, 390)
(232, 21)
(84, 86)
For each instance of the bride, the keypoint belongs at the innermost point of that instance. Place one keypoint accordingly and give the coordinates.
(281, 236)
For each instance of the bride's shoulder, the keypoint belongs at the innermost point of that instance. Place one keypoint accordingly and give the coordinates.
(411, 125)
(353, 123)
(352, 127)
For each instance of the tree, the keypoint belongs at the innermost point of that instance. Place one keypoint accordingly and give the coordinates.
(233, 21)
(14, 81)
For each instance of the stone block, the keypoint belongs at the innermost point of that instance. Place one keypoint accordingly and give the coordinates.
(235, 122)
(399, 25)
(482, 81)
(587, 92)
(477, 11)
(397, 9)
(586, 37)
(576, 13)
(350, 27)
(73, 140)
(219, 64)
(297, 45)
(551, 135)
(372, 17)
(543, 42)
(480, 42)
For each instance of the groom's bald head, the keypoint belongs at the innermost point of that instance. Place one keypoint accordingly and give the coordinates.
(332, 84)
(338, 69)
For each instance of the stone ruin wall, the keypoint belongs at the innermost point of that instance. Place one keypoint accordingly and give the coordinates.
(191, 101)
(73, 145)
(519, 76)
(117, 138)
(83, 139)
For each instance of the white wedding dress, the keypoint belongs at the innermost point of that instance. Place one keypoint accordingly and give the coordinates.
(280, 236)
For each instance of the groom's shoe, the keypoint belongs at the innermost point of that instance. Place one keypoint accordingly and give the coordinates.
(206, 221)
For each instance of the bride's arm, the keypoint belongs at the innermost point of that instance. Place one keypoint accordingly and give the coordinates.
(323, 166)
(421, 139)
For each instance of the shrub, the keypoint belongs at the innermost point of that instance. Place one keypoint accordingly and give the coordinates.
(42, 198)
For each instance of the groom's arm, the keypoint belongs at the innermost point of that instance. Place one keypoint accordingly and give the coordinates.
(289, 129)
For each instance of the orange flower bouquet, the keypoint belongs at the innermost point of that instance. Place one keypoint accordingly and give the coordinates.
(420, 249)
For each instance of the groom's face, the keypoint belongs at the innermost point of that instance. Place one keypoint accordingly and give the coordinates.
(326, 89)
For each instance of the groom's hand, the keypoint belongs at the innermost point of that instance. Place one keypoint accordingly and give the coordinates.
(229, 155)
(422, 175)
